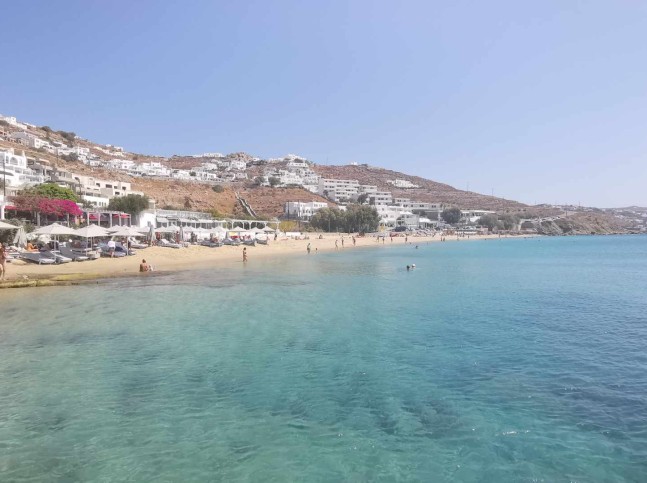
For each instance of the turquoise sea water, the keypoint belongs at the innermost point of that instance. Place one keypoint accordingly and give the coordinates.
(501, 360)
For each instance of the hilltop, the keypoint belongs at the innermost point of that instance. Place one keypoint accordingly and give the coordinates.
(188, 182)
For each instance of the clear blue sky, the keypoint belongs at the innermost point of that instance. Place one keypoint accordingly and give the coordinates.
(541, 101)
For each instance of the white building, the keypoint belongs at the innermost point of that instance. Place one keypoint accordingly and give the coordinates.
(120, 164)
(152, 168)
(303, 210)
(402, 183)
(235, 164)
(366, 189)
(339, 190)
(12, 121)
(380, 198)
(472, 216)
(30, 140)
(389, 214)
(181, 174)
(15, 172)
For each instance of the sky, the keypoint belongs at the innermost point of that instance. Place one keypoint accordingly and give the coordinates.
(541, 102)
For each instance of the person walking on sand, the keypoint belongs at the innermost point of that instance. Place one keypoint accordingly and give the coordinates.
(3, 261)
(342, 242)
(354, 241)
(112, 246)
(336, 245)
(245, 255)
(308, 248)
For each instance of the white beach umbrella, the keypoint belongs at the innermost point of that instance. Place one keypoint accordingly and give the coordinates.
(20, 239)
(55, 229)
(166, 229)
(268, 229)
(92, 231)
(7, 226)
(127, 231)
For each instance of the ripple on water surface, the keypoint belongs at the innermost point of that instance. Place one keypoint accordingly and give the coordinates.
(520, 360)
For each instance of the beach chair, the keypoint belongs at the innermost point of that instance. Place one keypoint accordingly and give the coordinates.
(58, 257)
(105, 252)
(75, 256)
(37, 257)
(165, 243)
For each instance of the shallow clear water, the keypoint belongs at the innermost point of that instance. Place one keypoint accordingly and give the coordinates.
(500, 360)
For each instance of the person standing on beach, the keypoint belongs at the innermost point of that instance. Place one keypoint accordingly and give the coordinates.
(308, 248)
(3, 261)
(245, 255)
(342, 242)
(111, 248)
(354, 241)
(336, 245)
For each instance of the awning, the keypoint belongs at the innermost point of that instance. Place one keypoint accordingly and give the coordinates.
(162, 220)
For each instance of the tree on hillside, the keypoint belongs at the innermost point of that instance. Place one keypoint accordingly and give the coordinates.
(218, 188)
(133, 204)
(361, 218)
(451, 215)
(72, 157)
(327, 219)
(274, 181)
(490, 221)
(356, 218)
(51, 190)
(509, 222)
(361, 199)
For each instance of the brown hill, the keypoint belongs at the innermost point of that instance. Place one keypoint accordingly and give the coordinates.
(429, 191)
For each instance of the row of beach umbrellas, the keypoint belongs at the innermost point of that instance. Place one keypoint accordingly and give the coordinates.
(94, 231)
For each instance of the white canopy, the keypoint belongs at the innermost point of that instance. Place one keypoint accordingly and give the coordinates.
(91, 231)
(20, 239)
(55, 229)
(127, 231)
(7, 226)
(167, 229)
(268, 229)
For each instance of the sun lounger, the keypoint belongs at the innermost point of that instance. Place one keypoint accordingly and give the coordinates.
(207, 243)
(39, 258)
(57, 256)
(75, 256)
(168, 244)
(262, 241)
(105, 252)
(249, 243)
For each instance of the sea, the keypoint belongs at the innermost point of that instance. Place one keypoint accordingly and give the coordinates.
(511, 360)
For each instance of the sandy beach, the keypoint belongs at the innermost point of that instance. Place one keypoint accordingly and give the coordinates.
(20, 273)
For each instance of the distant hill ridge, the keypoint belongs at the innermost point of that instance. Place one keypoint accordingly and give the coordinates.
(428, 190)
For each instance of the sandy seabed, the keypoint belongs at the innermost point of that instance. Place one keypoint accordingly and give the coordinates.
(20, 273)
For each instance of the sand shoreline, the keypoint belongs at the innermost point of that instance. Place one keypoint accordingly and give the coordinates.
(167, 260)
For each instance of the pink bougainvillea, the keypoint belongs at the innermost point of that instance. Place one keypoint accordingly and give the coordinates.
(46, 206)
(59, 207)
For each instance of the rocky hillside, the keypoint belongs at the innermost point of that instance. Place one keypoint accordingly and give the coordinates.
(430, 191)
(269, 202)
(583, 224)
